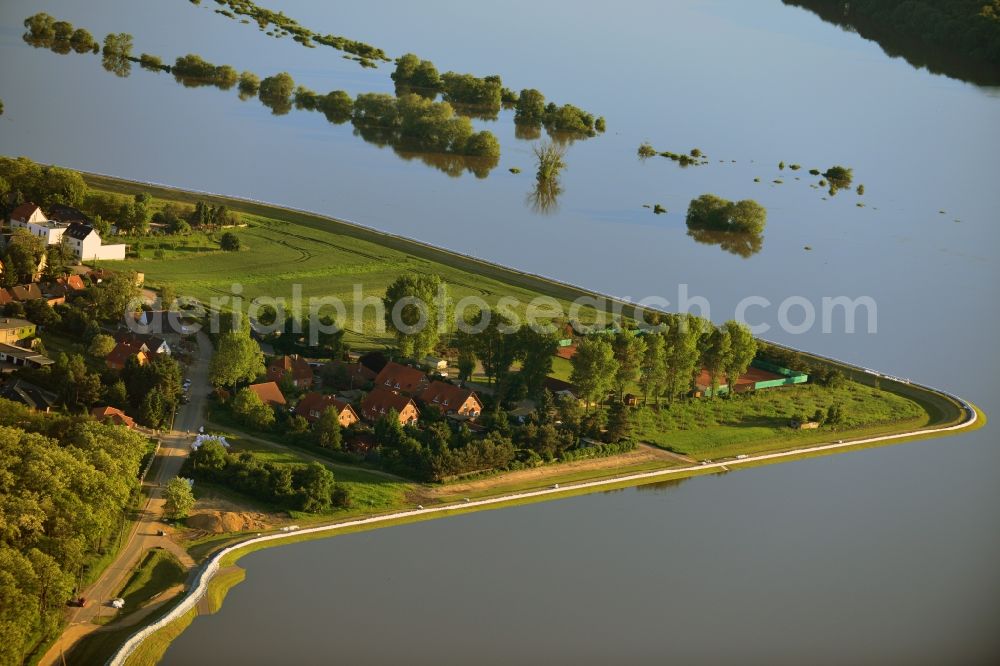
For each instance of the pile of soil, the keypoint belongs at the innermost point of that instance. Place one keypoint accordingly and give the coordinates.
(219, 522)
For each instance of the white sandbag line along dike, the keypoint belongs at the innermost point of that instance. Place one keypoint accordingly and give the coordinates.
(204, 576)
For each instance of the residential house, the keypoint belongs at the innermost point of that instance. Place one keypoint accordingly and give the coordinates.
(30, 217)
(123, 351)
(293, 368)
(27, 292)
(29, 394)
(86, 244)
(63, 287)
(13, 331)
(22, 356)
(313, 404)
(561, 389)
(452, 400)
(5, 297)
(112, 415)
(152, 344)
(381, 401)
(269, 394)
(403, 378)
(349, 376)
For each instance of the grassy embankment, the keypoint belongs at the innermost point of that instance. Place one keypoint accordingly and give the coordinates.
(325, 256)
(158, 571)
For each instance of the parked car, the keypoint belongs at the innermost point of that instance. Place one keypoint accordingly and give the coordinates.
(78, 602)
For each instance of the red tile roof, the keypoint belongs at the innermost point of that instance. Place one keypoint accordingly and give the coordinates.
(113, 414)
(5, 296)
(380, 401)
(23, 212)
(398, 377)
(122, 352)
(26, 292)
(448, 397)
(355, 371)
(293, 366)
(269, 393)
(567, 352)
(313, 404)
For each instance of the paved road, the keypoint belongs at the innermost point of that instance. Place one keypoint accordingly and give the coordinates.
(174, 446)
(212, 566)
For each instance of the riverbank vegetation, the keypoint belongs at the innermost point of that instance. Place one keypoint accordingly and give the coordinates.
(276, 24)
(483, 97)
(692, 158)
(60, 36)
(959, 38)
(305, 487)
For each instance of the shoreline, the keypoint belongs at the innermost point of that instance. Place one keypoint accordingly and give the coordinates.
(229, 555)
(947, 413)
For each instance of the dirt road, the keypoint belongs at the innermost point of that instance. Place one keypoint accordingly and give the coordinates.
(142, 537)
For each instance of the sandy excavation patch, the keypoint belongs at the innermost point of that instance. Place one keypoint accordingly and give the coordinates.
(220, 522)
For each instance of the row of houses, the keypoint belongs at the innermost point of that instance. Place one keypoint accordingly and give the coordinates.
(78, 235)
(396, 388)
(53, 292)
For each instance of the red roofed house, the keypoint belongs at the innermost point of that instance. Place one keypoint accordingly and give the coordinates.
(349, 376)
(27, 213)
(122, 352)
(398, 377)
(269, 394)
(26, 292)
(5, 297)
(113, 415)
(294, 368)
(381, 401)
(313, 404)
(451, 399)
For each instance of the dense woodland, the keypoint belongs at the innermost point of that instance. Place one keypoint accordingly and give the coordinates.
(65, 483)
(959, 38)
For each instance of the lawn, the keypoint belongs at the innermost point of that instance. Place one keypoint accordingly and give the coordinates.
(370, 492)
(282, 248)
(158, 571)
(755, 422)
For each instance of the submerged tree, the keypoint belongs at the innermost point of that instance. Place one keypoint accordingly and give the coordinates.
(117, 53)
(275, 93)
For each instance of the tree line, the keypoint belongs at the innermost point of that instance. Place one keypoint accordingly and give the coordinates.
(65, 483)
(365, 54)
(310, 487)
(959, 38)
(484, 97)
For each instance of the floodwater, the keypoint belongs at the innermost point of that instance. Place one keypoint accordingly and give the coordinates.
(886, 555)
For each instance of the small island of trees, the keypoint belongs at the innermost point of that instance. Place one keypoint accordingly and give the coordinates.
(712, 212)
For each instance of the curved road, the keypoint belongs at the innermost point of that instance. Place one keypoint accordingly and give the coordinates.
(208, 571)
(174, 446)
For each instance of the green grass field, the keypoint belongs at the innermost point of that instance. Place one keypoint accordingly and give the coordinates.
(755, 422)
(370, 492)
(282, 249)
(158, 571)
